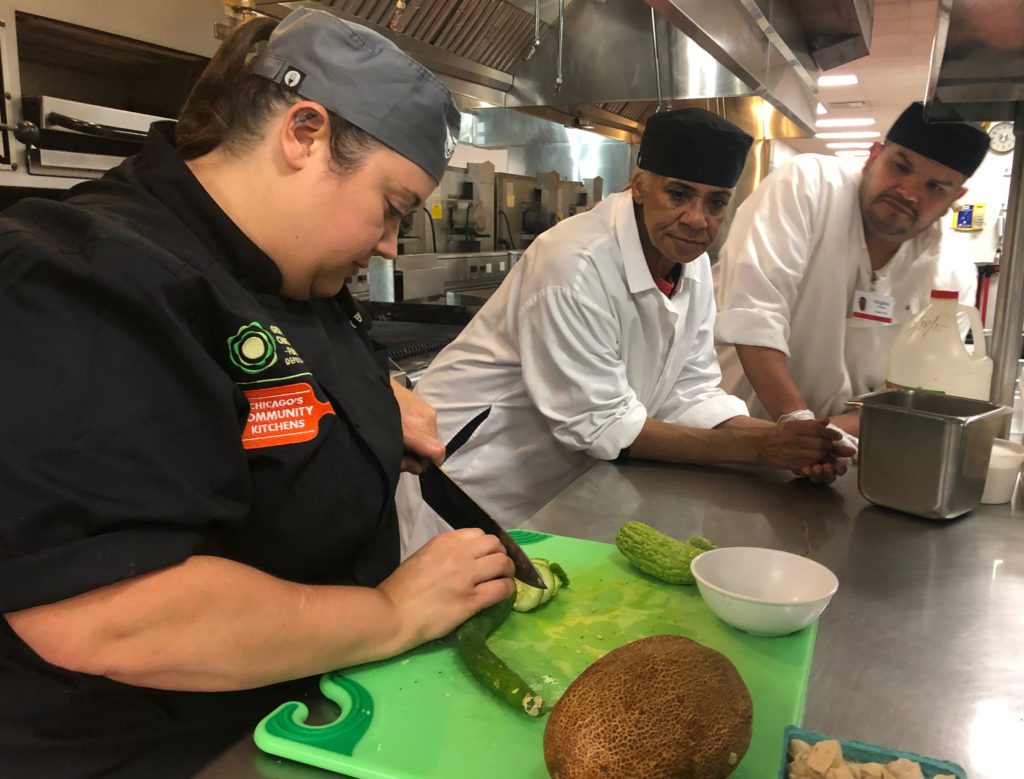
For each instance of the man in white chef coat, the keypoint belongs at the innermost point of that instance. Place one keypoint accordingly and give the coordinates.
(824, 262)
(599, 345)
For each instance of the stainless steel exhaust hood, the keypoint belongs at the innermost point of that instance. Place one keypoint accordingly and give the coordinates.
(705, 49)
(977, 68)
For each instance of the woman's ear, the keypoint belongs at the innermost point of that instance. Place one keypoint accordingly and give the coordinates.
(303, 129)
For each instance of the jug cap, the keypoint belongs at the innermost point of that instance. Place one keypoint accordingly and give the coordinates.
(945, 294)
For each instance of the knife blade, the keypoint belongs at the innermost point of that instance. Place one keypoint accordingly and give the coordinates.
(460, 511)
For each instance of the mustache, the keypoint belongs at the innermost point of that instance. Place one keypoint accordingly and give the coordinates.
(899, 201)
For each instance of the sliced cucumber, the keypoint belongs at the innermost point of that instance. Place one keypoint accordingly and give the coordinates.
(550, 583)
(528, 597)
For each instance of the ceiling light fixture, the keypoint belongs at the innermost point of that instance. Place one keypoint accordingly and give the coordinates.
(850, 135)
(822, 110)
(837, 81)
(851, 153)
(853, 121)
(849, 145)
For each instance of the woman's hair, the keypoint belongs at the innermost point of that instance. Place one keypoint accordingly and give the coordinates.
(229, 107)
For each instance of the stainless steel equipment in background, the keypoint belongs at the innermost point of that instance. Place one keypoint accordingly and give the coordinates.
(526, 206)
(80, 140)
(419, 303)
(977, 73)
(91, 77)
(477, 210)
(434, 279)
(458, 217)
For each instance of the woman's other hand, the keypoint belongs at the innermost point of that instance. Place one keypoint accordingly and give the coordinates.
(419, 430)
(447, 581)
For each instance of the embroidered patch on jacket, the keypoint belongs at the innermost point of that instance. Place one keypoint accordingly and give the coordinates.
(252, 348)
(283, 415)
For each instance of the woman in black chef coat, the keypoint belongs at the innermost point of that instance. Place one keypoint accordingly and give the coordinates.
(198, 447)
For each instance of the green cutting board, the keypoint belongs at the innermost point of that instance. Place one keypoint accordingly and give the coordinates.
(422, 716)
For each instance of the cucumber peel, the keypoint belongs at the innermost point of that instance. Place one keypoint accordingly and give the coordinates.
(527, 598)
(489, 669)
(486, 667)
(560, 573)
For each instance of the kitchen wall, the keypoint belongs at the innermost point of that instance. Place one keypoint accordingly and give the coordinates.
(990, 185)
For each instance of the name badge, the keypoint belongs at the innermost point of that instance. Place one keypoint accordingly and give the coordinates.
(873, 306)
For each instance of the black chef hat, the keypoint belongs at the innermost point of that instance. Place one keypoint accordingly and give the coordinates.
(694, 145)
(956, 145)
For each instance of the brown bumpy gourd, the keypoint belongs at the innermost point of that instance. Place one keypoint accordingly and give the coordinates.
(663, 707)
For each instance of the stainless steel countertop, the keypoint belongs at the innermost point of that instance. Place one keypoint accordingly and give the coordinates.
(921, 649)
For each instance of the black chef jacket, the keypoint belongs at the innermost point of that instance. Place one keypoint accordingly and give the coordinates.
(159, 399)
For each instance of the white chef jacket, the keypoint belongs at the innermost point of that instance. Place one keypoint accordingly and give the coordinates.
(786, 277)
(573, 353)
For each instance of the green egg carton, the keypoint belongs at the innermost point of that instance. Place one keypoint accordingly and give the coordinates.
(859, 752)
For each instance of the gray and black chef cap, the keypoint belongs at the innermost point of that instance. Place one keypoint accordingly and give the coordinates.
(364, 78)
(694, 145)
(956, 145)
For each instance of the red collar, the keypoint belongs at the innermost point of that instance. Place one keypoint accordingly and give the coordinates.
(669, 285)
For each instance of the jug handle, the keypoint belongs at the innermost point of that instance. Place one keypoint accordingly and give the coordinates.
(977, 330)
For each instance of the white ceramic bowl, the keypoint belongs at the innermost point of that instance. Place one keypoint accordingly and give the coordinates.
(763, 591)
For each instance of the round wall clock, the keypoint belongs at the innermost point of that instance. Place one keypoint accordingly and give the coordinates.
(1000, 137)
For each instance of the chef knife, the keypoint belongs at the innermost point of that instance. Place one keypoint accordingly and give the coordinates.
(459, 510)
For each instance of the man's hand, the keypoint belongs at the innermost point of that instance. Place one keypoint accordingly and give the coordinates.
(836, 464)
(799, 443)
(419, 430)
(849, 422)
(823, 473)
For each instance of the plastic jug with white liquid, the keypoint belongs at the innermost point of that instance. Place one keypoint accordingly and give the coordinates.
(929, 354)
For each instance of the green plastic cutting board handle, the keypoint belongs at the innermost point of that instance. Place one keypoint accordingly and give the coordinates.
(284, 731)
(523, 537)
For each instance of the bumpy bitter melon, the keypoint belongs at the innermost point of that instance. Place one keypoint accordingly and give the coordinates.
(660, 555)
